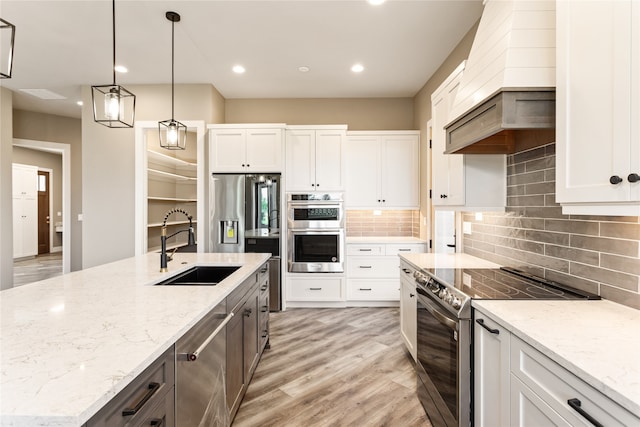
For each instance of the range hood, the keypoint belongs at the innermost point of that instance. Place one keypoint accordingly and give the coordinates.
(506, 99)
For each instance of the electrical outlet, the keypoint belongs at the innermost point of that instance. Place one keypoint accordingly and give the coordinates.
(478, 216)
(466, 227)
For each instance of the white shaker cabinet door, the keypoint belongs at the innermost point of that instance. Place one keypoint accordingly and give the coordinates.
(329, 158)
(363, 172)
(300, 160)
(264, 150)
(598, 107)
(228, 150)
(401, 171)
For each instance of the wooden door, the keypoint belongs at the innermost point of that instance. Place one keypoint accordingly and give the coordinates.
(44, 218)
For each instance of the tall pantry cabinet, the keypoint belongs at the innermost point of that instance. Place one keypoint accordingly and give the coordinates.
(25, 210)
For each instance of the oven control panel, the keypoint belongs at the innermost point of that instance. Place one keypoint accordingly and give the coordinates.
(447, 295)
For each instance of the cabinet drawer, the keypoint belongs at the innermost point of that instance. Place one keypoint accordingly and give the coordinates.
(152, 388)
(556, 386)
(373, 290)
(365, 250)
(404, 248)
(373, 267)
(328, 289)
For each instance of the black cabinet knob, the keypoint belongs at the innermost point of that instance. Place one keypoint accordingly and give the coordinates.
(443, 196)
(633, 177)
(615, 179)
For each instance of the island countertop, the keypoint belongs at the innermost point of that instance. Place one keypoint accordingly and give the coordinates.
(70, 343)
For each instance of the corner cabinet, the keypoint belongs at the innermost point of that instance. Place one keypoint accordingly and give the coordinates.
(460, 181)
(314, 158)
(246, 148)
(598, 107)
(383, 170)
(408, 310)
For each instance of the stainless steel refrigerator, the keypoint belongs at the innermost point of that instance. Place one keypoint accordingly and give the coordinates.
(244, 216)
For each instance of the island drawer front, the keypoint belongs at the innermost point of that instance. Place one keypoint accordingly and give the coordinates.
(556, 386)
(373, 267)
(328, 289)
(373, 290)
(368, 250)
(236, 297)
(153, 388)
(406, 248)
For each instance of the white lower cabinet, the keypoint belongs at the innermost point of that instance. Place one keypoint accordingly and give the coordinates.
(315, 287)
(517, 385)
(408, 310)
(372, 272)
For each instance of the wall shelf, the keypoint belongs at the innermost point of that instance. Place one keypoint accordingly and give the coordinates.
(163, 159)
(169, 176)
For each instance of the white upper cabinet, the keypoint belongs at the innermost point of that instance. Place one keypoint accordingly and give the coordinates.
(383, 170)
(245, 148)
(462, 181)
(314, 158)
(598, 107)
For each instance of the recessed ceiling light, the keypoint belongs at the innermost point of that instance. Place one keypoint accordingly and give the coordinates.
(376, 2)
(238, 69)
(80, 103)
(43, 93)
(121, 69)
(358, 68)
(304, 69)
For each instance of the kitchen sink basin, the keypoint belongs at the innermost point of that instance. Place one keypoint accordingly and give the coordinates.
(200, 276)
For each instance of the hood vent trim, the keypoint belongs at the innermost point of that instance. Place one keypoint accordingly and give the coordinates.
(508, 121)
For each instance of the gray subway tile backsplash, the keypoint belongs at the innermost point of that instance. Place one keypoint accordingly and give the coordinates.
(599, 254)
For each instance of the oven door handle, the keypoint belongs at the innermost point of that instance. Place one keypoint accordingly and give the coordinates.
(441, 317)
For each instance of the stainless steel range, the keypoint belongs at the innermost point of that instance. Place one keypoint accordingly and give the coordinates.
(444, 334)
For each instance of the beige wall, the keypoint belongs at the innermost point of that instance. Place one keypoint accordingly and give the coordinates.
(422, 114)
(108, 165)
(357, 113)
(6, 211)
(52, 161)
(63, 130)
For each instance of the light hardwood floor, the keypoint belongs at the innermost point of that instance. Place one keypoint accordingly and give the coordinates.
(29, 270)
(333, 367)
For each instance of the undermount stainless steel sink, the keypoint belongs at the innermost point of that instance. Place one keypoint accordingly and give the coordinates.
(200, 276)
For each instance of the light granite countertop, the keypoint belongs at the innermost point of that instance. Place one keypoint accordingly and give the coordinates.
(382, 239)
(70, 343)
(457, 260)
(599, 341)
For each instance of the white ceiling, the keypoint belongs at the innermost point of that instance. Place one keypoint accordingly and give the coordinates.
(62, 45)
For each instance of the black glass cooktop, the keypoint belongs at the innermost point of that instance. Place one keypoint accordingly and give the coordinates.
(506, 283)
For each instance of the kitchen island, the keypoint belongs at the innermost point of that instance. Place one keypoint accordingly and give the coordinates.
(69, 344)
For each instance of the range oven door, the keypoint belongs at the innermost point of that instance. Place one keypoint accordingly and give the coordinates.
(315, 251)
(443, 350)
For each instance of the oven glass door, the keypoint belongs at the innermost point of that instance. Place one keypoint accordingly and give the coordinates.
(437, 351)
(316, 251)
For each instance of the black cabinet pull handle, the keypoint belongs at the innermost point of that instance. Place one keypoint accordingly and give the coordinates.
(576, 406)
(365, 250)
(411, 295)
(633, 177)
(156, 422)
(365, 289)
(406, 270)
(247, 312)
(264, 288)
(153, 387)
(481, 323)
(315, 289)
(615, 179)
(364, 266)
(264, 309)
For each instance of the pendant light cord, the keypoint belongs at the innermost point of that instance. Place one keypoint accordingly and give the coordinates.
(173, 24)
(113, 15)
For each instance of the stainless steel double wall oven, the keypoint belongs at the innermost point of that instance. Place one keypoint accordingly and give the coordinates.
(315, 233)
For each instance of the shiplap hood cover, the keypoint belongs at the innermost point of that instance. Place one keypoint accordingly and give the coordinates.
(506, 98)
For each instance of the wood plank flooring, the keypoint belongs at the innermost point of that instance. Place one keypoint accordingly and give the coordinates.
(29, 270)
(333, 367)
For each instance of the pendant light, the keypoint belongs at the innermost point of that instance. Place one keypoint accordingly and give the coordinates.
(7, 38)
(173, 134)
(113, 105)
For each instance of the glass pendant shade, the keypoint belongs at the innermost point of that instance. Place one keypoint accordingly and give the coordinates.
(113, 106)
(173, 135)
(7, 40)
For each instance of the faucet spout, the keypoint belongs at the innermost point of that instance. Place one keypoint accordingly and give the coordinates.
(164, 259)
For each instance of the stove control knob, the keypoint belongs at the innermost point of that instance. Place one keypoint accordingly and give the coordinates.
(443, 293)
(456, 303)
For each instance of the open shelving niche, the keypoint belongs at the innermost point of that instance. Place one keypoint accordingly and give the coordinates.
(165, 180)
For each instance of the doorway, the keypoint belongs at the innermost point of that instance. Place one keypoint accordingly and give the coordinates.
(44, 218)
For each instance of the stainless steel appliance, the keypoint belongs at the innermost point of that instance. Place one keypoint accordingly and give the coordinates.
(444, 332)
(244, 216)
(315, 233)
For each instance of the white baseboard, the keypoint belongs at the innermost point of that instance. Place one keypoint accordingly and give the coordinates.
(56, 249)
